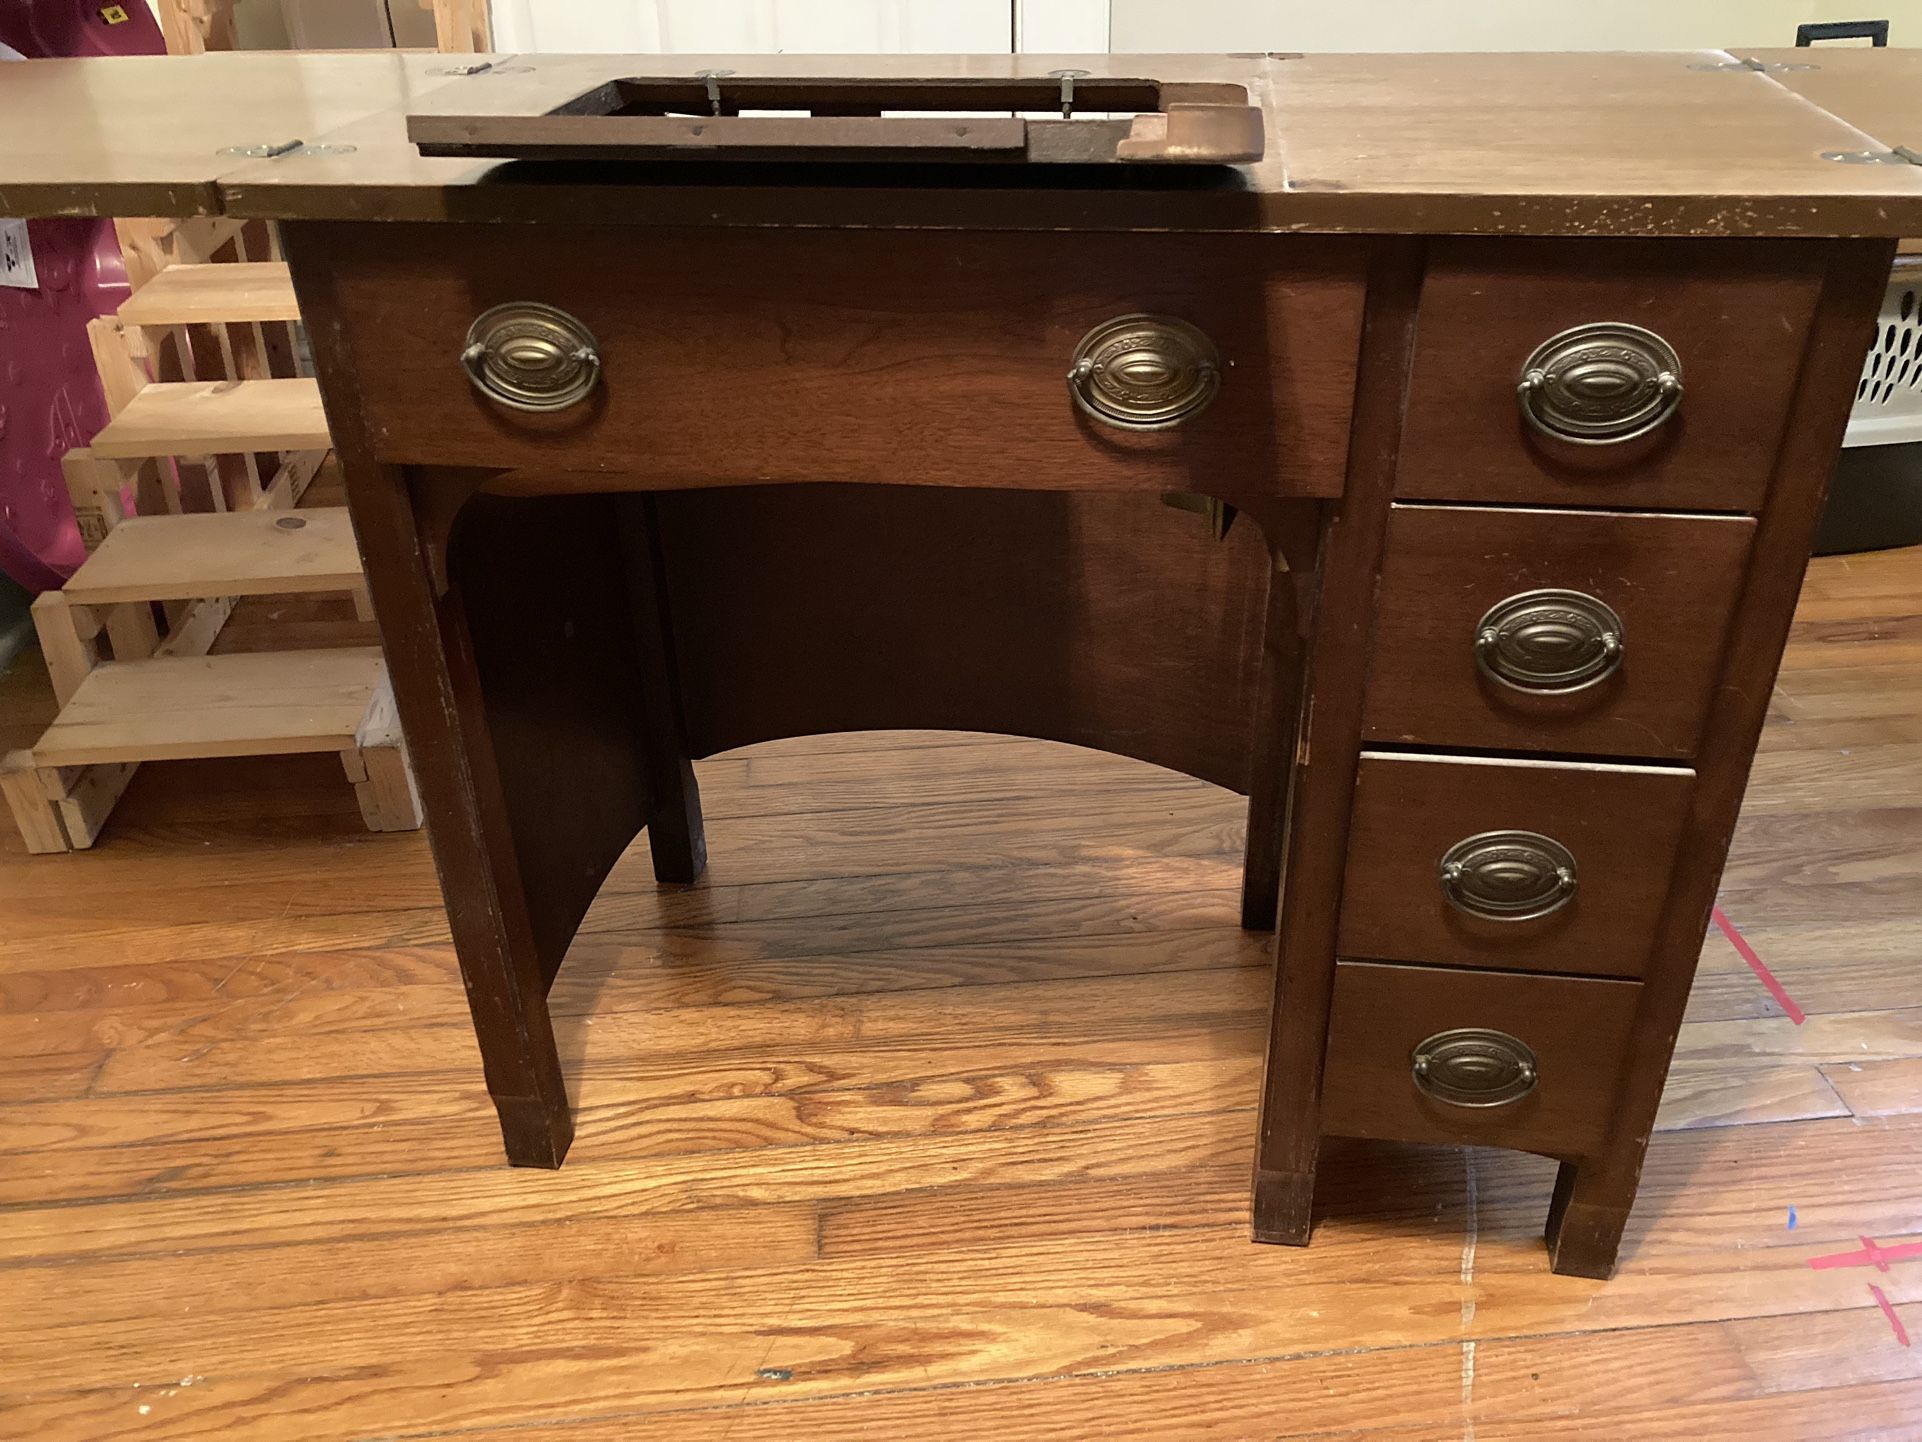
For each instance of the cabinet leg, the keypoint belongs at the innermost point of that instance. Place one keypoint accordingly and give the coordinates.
(1261, 863)
(1277, 723)
(536, 1132)
(1284, 1207)
(676, 836)
(1585, 1222)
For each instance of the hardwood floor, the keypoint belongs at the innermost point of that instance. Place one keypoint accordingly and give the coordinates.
(929, 1114)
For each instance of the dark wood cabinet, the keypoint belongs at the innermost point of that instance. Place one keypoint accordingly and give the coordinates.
(1493, 464)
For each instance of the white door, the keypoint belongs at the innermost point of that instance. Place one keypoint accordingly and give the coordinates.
(824, 27)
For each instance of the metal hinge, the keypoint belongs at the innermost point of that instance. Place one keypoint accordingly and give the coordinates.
(268, 151)
(1900, 155)
(1749, 62)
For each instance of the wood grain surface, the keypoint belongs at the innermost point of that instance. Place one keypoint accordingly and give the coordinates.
(1575, 1027)
(927, 1114)
(1101, 620)
(735, 357)
(1735, 312)
(1430, 144)
(1671, 580)
(1620, 823)
(1439, 144)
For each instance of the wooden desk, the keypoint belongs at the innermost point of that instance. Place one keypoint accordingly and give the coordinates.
(1492, 692)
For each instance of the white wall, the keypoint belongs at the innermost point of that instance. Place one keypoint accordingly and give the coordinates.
(1054, 26)
(847, 27)
(1365, 25)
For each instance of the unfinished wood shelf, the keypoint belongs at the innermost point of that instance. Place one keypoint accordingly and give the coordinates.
(220, 553)
(214, 293)
(196, 418)
(214, 437)
(266, 703)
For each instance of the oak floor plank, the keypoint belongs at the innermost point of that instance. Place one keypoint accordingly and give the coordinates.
(733, 1109)
(1891, 1087)
(1135, 1005)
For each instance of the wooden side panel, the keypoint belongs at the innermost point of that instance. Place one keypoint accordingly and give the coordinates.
(915, 358)
(1590, 1208)
(543, 589)
(1109, 621)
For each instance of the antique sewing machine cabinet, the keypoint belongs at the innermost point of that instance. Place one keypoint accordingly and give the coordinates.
(1457, 525)
(1515, 515)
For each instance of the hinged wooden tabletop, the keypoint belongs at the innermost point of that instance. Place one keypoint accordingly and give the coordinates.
(1879, 92)
(153, 134)
(1690, 143)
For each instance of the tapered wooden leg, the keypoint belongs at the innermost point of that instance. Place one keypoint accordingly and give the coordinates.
(430, 658)
(480, 877)
(534, 1132)
(675, 834)
(1586, 1219)
(1325, 764)
(1284, 1207)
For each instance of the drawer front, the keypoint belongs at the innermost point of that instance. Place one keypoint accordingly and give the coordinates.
(1524, 865)
(1437, 1054)
(932, 358)
(1734, 315)
(1492, 629)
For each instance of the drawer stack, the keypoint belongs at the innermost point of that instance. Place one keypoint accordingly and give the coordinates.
(1560, 567)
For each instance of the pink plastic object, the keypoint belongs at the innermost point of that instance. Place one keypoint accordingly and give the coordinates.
(50, 397)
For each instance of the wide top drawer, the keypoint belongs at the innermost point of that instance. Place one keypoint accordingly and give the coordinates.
(942, 358)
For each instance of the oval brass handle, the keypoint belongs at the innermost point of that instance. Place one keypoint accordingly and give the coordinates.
(1144, 372)
(1508, 875)
(1475, 1066)
(531, 357)
(1549, 642)
(1600, 384)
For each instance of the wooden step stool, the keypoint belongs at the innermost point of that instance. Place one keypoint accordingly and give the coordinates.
(155, 699)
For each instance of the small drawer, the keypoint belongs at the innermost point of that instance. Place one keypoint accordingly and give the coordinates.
(1536, 630)
(1523, 865)
(1438, 1054)
(642, 358)
(1697, 346)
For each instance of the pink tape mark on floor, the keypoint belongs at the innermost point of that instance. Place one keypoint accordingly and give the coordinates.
(1755, 964)
(1895, 1322)
(1872, 1254)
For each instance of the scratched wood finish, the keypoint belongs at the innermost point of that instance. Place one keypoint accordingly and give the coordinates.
(1736, 312)
(926, 1115)
(734, 357)
(1672, 580)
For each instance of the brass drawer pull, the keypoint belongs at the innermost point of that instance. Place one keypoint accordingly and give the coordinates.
(531, 357)
(1144, 372)
(1549, 642)
(1475, 1067)
(1508, 875)
(1600, 384)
